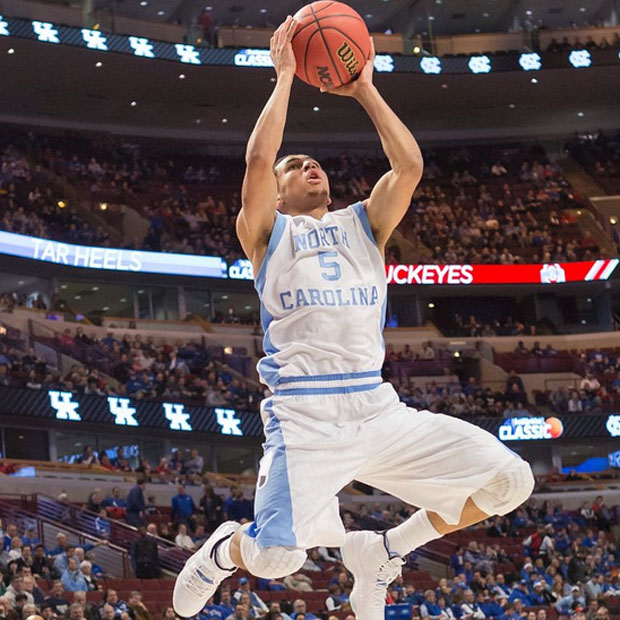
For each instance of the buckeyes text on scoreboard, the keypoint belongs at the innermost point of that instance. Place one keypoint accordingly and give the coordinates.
(550, 273)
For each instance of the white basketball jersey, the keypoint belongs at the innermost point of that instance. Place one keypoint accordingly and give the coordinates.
(323, 296)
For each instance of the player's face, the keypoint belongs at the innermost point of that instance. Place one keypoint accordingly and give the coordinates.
(302, 184)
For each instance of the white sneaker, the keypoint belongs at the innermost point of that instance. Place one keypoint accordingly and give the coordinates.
(201, 575)
(365, 555)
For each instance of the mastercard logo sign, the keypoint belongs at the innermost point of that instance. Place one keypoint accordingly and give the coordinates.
(522, 429)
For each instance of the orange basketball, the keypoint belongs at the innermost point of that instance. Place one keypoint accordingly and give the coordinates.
(331, 44)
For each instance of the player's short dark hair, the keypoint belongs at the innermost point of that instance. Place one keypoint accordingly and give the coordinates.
(281, 159)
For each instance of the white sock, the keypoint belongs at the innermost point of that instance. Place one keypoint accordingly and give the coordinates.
(222, 555)
(416, 531)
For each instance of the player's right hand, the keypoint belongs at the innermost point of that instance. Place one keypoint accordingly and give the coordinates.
(281, 49)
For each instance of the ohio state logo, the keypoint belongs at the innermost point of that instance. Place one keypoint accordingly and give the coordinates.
(552, 274)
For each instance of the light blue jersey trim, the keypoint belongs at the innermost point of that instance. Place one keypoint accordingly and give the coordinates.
(276, 234)
(267, 366)
(273, 504)
(343, 389)
(333, 377)
(360, 211)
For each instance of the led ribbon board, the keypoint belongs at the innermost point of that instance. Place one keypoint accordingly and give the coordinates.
(551, 273)
(113, 259)
(141, 47)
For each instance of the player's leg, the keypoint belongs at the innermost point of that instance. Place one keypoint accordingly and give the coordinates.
(295, 508)
(455, 472)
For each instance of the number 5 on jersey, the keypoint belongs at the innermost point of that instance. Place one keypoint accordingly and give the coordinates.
(331, 269)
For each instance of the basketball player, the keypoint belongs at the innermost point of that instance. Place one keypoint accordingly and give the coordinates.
(320, 276)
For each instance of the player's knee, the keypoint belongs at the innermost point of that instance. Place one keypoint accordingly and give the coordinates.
(508, 490)
(271, 562)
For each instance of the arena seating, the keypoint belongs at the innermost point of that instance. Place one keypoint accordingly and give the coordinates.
(474, 205)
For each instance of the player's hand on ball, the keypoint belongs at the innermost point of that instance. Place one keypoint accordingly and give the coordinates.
(280, 47)
(362, 82)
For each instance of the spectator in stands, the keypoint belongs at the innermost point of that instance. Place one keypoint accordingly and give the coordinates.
(236, 507)
(255, 600)
(183, 540)
(72, 578)
(41, 565)
(183, 507)
(9, 534)
(136, 505)
(196, 463)
(91, 582)
(471, 609)
(429, 608)
(336, 599)
(56, 599)
(115, 504)
(299, 582)
(137, 607)
(88, 456)
(211, 507)
(62, 559)
(241, 612)
(110, 597)
(565, 605)
(169, 614)
(106, 612)
(299, 608)
(145, 556)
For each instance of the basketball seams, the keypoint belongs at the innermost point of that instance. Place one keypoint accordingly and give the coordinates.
(309, 15)
(306, 50)
(327, 48)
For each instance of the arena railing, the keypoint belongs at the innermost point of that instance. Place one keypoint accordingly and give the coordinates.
(22, 511)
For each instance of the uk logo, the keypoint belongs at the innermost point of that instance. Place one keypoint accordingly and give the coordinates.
(430, 64)
(613, 425)
(94, 40)
(122, 412)
(45, 32)
(141, 47)
(188, 54)
(177, 417)
(228, 420)
(65, 408)
(530, 62)
(4, 28)
(479, 64)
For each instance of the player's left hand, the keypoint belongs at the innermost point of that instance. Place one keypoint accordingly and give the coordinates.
(359, 84)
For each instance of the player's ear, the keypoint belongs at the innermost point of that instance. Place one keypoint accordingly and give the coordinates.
(329, 200)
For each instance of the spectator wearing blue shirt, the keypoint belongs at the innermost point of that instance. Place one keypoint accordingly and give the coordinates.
(299, 607)
(183, 507)
(9, 534)
(237, 508)
(565, 604)
(491, 608)
(62, 560)
(429, 608)
(537, 596)
(72, 579)
(500, 583)
(521, 592)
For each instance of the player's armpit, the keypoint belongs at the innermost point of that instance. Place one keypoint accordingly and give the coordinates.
(390, 199)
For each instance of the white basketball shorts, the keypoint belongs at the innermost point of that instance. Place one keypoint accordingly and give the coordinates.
(319, 439)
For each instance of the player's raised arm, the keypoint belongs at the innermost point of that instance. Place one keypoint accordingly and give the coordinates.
(391, 196)
(259, 191)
